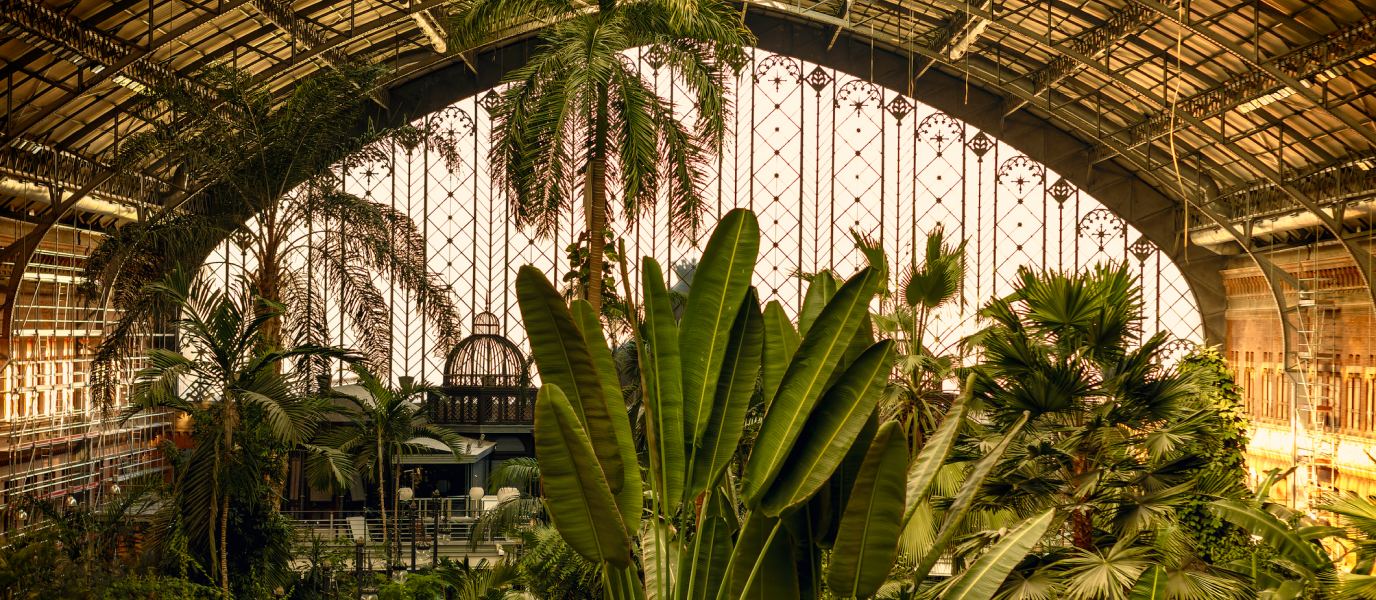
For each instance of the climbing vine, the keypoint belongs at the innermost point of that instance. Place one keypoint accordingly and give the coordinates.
(1221, 443)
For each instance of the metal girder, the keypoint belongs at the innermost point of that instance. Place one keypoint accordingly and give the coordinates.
(337, 40)
(1276, 277)
(1094, 42)
(306, 35)
(116, 56)
(952, 40)
(1362, 258)
(303, 33)
(1271, 68)
(1346, 177)
(1319, 60)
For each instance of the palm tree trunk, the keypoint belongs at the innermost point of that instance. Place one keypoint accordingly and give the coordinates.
(382, 490)
(224, 546)
(595, 202)
(396, 511)
(1082, 520)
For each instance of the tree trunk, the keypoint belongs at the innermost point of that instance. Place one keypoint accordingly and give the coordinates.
(1081, 520)
(381, 491)
(595, 202)
(396, 510)
(224, 546)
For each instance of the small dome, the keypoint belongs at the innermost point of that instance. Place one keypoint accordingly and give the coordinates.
(486, 358)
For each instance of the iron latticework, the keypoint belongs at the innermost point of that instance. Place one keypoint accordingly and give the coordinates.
(817, 154)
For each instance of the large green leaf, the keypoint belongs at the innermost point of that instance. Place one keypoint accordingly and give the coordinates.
(762, 549)
(563, 359)
(1275, 532)
(719, 286)
(819, 293)
(843, 480)
(780, 344)
(739, 372)
(701, 577)
(803, 382)
(830, 429)
(630, 498)
(659, 559)
(1151, 585)
(867, 542)
(577, 497)
(982, 580)
(923, 471)
(965, 498)
(664, 396)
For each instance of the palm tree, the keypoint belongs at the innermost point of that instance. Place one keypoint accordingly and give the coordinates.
(226, 377)
(1108, 424)
(266, 173)
(479, 582)
(383, 427)
(906, 316)
(580, 118)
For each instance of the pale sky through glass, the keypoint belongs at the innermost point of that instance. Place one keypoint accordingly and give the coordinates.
(815, 153)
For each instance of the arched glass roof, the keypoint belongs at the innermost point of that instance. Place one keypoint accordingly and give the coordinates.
(817, 154)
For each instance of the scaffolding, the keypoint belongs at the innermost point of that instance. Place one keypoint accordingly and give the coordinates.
(1313, 419)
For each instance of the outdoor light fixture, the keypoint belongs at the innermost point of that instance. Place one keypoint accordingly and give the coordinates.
(114, 489)
(405, 494)
(23, 516)
(71, 501)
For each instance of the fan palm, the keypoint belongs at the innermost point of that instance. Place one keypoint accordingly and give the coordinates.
(226, 377)
(265, 174)
(580, 118)
(906, 317)
(1108, 423)
(1109, 439)
(383, 427)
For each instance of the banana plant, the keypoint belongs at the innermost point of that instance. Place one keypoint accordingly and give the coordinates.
(823, 475)
(1301, 564)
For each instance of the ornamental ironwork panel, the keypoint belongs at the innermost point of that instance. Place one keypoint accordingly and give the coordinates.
(816, 153)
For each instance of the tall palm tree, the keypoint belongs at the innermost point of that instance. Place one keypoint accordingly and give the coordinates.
(226, 377)
(265, 172)
(383, 428)
(579, 117)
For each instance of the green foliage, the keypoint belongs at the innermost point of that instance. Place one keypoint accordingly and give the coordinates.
(818, 456)
(246, 415)
(260, 170)
(580, 120)
(1225, 474)
(553, 571)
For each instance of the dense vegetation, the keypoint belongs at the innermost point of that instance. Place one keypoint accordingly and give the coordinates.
(727, 451)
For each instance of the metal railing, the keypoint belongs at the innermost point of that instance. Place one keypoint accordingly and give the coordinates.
(426, 530)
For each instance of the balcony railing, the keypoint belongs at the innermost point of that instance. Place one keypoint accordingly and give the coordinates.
(484, 406)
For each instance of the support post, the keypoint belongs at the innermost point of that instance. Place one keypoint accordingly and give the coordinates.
(435, 543)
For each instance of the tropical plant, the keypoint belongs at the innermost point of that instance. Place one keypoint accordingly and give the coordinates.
(1110, 438)
(246, 413)
(483, 581)
(1298, 563)
(906, 315)
(385, 424)
(514, 512)
(1224, 475)
(822, 473)
(266, 172)
(579, 117)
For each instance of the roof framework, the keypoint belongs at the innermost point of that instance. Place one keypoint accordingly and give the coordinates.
(1233, 109)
